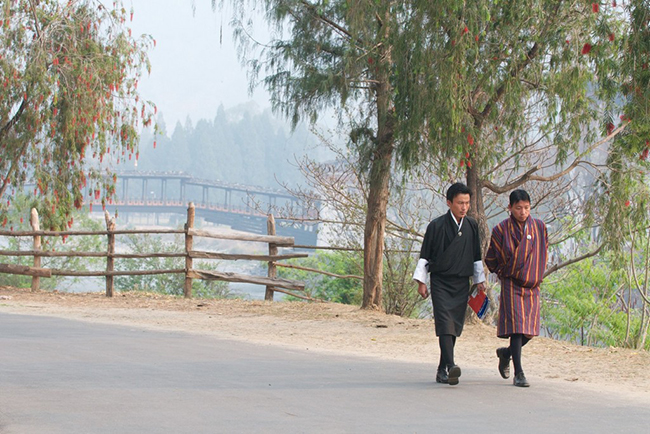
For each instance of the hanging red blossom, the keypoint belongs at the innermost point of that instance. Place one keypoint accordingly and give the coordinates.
(595, 7)
(644, 154)
(586, 48)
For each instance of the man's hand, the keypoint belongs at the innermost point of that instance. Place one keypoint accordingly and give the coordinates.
(422, 290)
(480, 286)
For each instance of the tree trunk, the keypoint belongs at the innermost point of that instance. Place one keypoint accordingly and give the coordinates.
(477, 211)
(477, 207)
(373, 240)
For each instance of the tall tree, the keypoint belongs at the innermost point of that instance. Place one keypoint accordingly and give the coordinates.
(513, 92)
(337, 54)
(529, 86)
(625, 202)
(69, 73)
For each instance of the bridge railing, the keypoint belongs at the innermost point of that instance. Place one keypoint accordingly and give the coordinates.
(271, 281)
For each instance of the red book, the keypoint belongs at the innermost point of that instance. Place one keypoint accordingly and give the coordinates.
(479, 301)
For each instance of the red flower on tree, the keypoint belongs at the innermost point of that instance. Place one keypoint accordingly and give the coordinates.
(644, 154)
(595, 7)
(586, 48)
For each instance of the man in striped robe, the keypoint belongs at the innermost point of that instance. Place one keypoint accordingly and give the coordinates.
(517, 254)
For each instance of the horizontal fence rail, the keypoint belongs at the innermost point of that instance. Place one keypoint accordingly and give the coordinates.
(271, 281)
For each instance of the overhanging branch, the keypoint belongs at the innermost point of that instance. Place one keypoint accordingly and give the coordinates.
(326, 20)
(515, 71)
(556, 267)
(529, 175)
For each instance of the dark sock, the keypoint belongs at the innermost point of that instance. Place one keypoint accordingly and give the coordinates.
(516, 342)
(446, 350)
(524, 341)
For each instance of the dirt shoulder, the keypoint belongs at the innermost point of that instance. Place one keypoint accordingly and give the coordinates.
(343, 329)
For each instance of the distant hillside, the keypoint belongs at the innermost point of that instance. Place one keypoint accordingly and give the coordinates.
(240, 145)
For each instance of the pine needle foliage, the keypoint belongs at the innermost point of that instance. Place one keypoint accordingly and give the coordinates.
(505, 94)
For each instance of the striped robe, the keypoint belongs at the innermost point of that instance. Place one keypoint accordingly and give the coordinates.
(518, 255)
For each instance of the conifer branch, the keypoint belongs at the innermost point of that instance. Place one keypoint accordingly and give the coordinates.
(326, 20)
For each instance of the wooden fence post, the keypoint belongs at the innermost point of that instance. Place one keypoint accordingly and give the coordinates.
(273, 250)
(110, 259)
(187, 288)
(34, 222)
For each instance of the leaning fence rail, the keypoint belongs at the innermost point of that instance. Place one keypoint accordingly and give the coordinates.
(271, 281)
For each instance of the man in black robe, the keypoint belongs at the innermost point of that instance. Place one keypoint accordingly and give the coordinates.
(451, 253)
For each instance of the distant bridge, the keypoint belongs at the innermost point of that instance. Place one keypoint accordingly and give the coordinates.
(234, 205)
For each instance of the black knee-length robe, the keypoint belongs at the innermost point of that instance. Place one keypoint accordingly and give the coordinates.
(451, 252)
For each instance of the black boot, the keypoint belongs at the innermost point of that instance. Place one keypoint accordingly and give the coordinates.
(452, 376)
(520, 380)
(441, 376)
(504, 362)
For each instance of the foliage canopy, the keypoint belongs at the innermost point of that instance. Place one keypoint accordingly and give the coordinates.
(69, 73)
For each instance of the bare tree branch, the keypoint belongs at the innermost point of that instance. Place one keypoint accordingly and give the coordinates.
(528, 176)
(556, 267)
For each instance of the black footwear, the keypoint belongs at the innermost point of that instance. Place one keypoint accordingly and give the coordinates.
(441, 376)
(452, 376)
(504, 362)
(520, 380)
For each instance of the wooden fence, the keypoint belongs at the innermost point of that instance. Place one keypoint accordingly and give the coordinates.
(271, 281)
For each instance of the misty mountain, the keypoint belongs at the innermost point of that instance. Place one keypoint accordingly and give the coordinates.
(240, 145)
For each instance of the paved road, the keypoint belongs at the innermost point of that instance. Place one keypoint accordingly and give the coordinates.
(70, 377)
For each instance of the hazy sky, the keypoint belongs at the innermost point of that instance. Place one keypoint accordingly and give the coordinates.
(192, 72)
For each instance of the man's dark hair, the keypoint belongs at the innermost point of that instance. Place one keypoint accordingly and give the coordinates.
(456, 189)
(519, 195)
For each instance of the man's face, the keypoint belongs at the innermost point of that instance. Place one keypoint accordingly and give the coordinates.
(459, 206)
(520, 210)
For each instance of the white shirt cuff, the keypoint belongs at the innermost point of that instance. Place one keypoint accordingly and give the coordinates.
(421, 273)
(479, 274)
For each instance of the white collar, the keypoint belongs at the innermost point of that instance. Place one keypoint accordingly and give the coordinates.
(455, 221)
